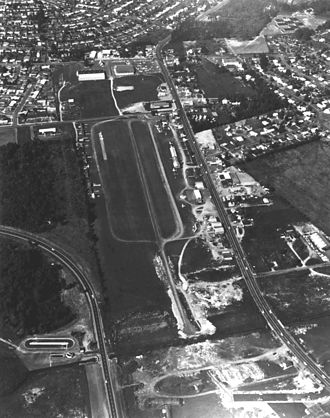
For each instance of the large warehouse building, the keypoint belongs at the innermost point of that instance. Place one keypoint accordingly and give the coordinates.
(124, 70)
(88, 75)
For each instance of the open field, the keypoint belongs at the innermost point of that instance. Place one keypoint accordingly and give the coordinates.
(238, 317)
(300, 175)
(145, 89)
(128, 211)
(13, 371)
(49, 393)
(155, 181)
(7, 134)
(23, 134)
(263, 243)
(218, 83)
(131, 288)
(137, 308)
(316, 337)
(66, 72)
(95, 99)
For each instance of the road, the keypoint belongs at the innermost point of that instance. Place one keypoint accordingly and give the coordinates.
(21, 105)
(248, 274)
(290, 270)
(65, 259)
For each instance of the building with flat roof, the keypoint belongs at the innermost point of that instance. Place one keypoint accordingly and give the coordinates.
(90, 75)
(122, 70)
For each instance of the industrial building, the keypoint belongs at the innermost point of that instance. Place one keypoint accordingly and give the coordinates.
(91, 75)
(122, 70)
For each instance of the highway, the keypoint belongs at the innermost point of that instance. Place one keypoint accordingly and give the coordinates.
(273, 322)
(65, 259)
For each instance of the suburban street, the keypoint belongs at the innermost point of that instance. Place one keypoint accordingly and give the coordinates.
(64, 258)
(248, 274)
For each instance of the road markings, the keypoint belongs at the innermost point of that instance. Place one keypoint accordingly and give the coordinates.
(104, 153)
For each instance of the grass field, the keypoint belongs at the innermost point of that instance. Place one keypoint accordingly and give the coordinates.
(220, 84)
(95, 99)
(128, 211)
(131, 288)
(67, 71)
(23, 134)
(159, 196)
(301, 175)
(317, 339)
(145, 89)
(13, 371)
(7, 134)
(136, 305)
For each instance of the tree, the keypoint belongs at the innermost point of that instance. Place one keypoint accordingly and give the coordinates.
(304, 34)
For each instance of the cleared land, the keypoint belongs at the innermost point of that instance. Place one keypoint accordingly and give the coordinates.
(129, 218)
(145, 89)
(156, 184)
(301, 175)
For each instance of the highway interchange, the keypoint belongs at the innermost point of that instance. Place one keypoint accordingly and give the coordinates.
(273, 322)
(65, 259)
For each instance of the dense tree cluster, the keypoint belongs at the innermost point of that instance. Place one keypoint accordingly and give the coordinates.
(30, 291)
(304, 34)
(41, 185)
(240, 19)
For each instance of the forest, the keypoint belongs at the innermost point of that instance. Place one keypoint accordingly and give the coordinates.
(30, 291)
(41, 185)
